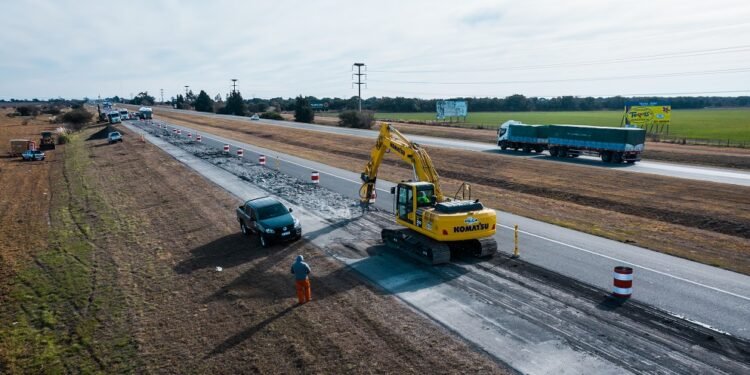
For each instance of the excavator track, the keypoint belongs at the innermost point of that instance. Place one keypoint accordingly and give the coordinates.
(416, 245)
(479, 248)
(486, 247)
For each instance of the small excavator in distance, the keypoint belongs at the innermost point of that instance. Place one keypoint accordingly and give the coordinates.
(434, 225)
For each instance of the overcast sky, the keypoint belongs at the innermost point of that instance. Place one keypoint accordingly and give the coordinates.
(411, 48)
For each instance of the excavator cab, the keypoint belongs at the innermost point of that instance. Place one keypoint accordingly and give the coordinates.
(411, 197)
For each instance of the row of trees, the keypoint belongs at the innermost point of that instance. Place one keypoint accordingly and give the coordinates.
(235, 104)
(514, 103)
(521, 103)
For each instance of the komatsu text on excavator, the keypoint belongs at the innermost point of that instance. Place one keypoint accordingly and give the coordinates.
(434, 224)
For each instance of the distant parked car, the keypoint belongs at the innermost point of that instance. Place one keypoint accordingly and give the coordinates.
(30, 155)
(255, 117)
(114, 137)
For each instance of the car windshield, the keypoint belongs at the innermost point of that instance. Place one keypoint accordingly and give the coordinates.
(115, 134)
(272, 211)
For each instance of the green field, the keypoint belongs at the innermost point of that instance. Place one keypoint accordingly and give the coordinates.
(718, 124)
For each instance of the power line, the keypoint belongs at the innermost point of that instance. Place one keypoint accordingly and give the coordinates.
(693, 53)
(568, 46)
(679, 74)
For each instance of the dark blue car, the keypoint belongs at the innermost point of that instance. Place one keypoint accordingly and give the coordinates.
(269, 219)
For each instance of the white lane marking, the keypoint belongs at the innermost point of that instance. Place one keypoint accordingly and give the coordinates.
(631, 263)
(696, 170)
(580, 249)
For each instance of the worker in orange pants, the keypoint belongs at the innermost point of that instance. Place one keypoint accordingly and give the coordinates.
(301, 271)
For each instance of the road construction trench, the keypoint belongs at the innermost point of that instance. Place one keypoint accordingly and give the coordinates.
(559, 320)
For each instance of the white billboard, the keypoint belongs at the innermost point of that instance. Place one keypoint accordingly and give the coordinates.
(451, 108)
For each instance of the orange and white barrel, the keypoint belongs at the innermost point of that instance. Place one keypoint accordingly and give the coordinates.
(226, 148)
(179, 131)
(315, 177)
(623, 283)
(190, 135)
(240, 152)
(198, 138)
(262, 160)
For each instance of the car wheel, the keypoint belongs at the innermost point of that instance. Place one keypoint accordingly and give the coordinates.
(244, 229)
(263, 241)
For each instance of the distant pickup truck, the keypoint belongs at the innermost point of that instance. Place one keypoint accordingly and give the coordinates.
(270, 220)
(30, 155)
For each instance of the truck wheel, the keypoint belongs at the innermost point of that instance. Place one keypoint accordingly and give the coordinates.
(606, 156)
(263, 241)
(527, 149)
(562, 152)
(631, 161)
(503, 147)
(539, 149)
(553, 152)
(617, 157)
(244, 229)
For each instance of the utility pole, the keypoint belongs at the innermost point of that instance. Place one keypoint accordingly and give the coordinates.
(186, 91)
(162, 96)
(234, 85)
(359, 82)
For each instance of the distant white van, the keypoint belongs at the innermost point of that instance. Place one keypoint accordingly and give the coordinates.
(124, 114)
(114, 117)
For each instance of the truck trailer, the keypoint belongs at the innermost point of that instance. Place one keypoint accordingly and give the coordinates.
(145, 113)
(18, 146)
(612, 145)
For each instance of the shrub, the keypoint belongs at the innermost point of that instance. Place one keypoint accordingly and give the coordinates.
(303, 111)
(77, 118)
(54, 111)
(62, 139)
(26, 110)
(271, 116)
(354, 119)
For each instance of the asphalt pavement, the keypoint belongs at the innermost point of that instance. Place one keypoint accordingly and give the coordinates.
(703, 294)
(711, 174)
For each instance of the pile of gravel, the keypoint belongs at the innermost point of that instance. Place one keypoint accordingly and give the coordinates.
(327, 204)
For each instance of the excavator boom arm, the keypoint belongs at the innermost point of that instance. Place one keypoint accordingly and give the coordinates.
(391, 139)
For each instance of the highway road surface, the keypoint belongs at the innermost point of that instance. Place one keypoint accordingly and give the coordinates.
(524, 316)
(708, 295)
(720, 175)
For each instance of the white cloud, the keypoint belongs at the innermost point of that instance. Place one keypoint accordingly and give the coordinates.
(285, 48)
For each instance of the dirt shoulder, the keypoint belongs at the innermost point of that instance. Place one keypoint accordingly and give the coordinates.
(25, 197)
(139, 236)
(701, 221)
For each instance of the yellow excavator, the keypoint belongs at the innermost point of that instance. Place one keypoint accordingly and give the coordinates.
(434, 224)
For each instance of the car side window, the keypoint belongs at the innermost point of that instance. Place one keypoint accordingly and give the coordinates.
(250, 213)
